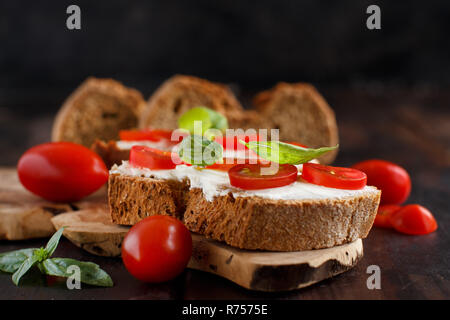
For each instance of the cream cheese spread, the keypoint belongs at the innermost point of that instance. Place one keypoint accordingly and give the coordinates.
(216, 183)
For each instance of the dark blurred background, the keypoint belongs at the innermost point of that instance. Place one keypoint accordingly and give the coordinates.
(248, 44)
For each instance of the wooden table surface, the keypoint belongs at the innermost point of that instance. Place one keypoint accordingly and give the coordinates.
(408, 126)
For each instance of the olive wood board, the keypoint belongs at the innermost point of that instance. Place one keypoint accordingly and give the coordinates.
(26, 216)
(92, 230)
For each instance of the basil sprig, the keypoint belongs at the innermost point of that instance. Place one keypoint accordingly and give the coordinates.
(205, 118)
(285, 153)
(19, 262)
(200, 151)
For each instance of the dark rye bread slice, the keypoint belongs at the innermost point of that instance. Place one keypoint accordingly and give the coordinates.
(97, 109)
(301, 114)
(245, 222)
(181, 93)
(110, 153)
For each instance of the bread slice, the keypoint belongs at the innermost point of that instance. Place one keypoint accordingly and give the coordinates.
(98, 109)
(181, 93)
(247, 222)
(301, 114)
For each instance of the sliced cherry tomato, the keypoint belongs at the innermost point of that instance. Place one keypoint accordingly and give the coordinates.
(61, 171)
(142, 156)
(384, 214)
(249, 176)
(150, 135)
(334, 177)
(157, 249)
(232, 142)
(393, 181)
(228, 163)
(413, 219)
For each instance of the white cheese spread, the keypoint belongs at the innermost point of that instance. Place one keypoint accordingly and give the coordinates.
(216, 183)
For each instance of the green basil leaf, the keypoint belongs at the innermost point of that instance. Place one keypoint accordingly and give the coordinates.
(198, 150)
(11, 261)
(91, 273)
(53, 242)
(205, 118)
(24, 268)
(285, 153)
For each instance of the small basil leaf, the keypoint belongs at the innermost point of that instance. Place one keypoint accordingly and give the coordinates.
(91, 273)
(205, 118)
(198, 150)
(285, 153)
(24, 268)
(53, 242)
(11, 261)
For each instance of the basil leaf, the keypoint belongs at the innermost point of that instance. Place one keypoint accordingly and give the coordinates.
(205, 118)
(285, 153)
(198, 150)
(53, 242)
(24, 268)
(11, 261)
(91, 273)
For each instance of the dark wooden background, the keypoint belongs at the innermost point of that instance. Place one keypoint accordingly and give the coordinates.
(389, 88)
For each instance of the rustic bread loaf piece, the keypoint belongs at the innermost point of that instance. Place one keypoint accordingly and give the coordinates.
(301, 114)
(245, 222)
(98, 109)
(181, 93)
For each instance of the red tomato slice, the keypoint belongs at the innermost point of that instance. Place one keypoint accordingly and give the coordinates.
(249, 177)
(150, 135)
(141, 156)
(334, 177)
(384, 213)
(228, 163)
(413, 219)
(232, 142)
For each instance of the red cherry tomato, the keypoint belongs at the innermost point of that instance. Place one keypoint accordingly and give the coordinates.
(413, 219)
(249, 177)
(232, 142)
(393, 181)
(334, 177)
(157, 249)
(142, 156)
(150, 135)
(384, 214)
(61, 171)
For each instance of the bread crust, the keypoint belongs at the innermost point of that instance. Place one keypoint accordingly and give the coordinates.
(82, 120)
(302, 115)
(245, 222)
(181, 93)
(110, 153)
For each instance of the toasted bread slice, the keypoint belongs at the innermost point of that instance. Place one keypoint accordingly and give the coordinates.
(301, 114)
(98, 109)
(241, 219)
(181, 93)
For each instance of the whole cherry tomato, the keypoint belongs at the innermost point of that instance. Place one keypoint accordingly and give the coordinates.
(157, 249)
(334, 177)
(393, 181)
(384, 213)
(413, 219)
(61, 171)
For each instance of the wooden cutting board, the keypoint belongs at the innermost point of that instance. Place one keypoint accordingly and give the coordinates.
(24, 216)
